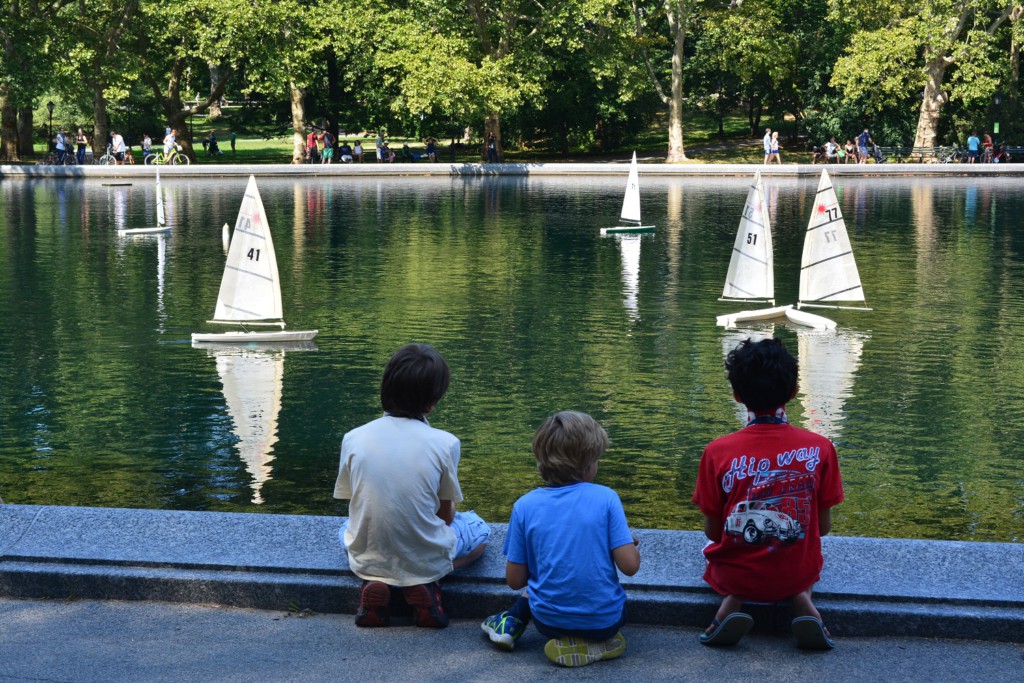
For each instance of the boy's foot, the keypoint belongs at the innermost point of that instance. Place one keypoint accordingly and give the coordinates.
(425, 599)
(503, 629)
(572, 651)
(729, 631)
(811, 634)
(374, 599)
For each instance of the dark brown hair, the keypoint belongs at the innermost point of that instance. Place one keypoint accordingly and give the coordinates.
(415, 379)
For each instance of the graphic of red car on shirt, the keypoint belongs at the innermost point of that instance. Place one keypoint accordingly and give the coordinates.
(756, 521)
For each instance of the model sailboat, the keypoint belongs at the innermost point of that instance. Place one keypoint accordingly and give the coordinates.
(161, 221)
(630, 205)
(250, 289)
(828, 272)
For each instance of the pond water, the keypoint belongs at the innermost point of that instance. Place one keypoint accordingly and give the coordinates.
(104, 401)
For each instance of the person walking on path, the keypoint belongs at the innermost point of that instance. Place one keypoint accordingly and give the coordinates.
(863, 141)
(767, 145)
(774, 151)
(972, 147)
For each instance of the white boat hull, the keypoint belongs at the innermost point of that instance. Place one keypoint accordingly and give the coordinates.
(789, 313)
(143, 231)
(251, 337)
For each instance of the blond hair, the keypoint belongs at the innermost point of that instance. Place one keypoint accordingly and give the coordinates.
(566, 445)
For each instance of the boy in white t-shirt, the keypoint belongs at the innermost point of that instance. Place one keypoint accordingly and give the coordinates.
(401, 477)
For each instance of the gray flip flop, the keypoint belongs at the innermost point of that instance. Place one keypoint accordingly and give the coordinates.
(811, 634)
(729, 631)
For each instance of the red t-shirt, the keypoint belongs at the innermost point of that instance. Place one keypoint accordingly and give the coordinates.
(767, 483)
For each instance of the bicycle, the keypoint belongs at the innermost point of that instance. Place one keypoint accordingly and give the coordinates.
(53, 159)
(108, 159)
(175, 158)
(950, 155)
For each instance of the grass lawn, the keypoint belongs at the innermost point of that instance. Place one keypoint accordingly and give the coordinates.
(703, 145)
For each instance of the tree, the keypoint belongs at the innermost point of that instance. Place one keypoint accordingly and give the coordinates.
(943, 49)
(25, 28)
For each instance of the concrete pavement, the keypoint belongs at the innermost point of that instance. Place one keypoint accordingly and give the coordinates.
(110, 642)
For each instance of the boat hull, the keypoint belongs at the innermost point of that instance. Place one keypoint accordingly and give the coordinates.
(627, 229)
(143, 231)
(250, 337)
(790, 314)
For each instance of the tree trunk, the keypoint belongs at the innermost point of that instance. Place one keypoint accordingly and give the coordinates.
(492, 125)
(333, 92)
(101, 123)
(8, 127)
(298, 99)
(178, 121)
(215, 111)
(931, 104)
(678, 17)
(25, 123)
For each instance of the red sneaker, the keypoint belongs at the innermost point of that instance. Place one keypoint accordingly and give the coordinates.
(374, 599)
(425, 600)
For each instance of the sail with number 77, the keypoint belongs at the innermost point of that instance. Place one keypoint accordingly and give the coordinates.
(828, 270)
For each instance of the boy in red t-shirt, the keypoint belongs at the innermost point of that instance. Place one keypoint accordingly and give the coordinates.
(766, 492)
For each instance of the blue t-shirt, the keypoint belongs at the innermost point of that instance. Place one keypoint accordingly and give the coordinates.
(973, 142)
(565, 536)
(862, 140)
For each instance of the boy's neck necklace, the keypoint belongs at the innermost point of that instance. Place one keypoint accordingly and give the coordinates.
(776, 417)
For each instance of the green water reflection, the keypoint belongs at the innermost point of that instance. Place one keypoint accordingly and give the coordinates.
(103, 400)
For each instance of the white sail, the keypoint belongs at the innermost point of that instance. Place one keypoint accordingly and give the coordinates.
(630, 246)
(160, 219)
(828, 367)
(631, 201)
(250, 289)
(828, 271)
(751, 273)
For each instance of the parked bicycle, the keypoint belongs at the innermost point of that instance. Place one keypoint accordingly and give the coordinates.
(951, 155)
(108, 158)
(175, 158)
(55, 159)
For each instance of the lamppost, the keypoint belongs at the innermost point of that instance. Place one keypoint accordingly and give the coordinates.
(49, 126)
(996, 99)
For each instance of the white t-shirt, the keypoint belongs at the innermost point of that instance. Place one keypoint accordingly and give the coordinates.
(396, 471)
(118, 143)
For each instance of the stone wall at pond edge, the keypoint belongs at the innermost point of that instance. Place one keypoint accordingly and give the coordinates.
(869, 587)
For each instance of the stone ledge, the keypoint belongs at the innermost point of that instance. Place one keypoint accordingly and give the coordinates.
(870, 587)
(471, 170)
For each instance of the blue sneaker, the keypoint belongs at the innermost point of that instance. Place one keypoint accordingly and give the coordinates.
(503, 629)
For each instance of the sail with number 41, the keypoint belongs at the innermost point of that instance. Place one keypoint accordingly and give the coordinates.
(751, 275)
(828, 271)
(250, 289)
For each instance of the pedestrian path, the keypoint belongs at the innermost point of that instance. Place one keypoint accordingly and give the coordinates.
(111, 642)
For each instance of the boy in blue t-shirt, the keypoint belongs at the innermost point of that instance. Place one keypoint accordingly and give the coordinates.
(564, 543)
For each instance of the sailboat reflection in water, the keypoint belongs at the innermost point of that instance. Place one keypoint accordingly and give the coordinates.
(252, 376)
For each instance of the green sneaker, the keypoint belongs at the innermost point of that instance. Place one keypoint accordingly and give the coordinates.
(503, 629)
(572, 651)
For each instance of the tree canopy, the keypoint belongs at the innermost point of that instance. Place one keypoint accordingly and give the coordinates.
(564, 76)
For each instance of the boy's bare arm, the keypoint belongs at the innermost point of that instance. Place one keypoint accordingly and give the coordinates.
(713, 528)
(627, 558)
(516, 575)
(824, 521)
(446, 512)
